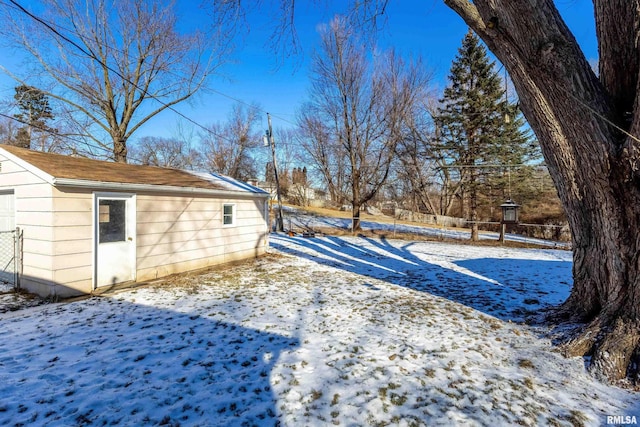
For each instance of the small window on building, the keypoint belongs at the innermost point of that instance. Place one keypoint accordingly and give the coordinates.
(228, 214)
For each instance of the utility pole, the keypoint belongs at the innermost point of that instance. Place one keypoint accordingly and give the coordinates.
(269, 136)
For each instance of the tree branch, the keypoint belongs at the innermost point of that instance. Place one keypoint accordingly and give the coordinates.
(468, 12)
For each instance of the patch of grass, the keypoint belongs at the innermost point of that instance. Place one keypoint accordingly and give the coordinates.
(533, 412)
(336, 398)
(167, 421)
(516, 385)
(529, 383)
(526, 363)
(382, 392)
(398, 399)
(465, 370)
(449, 394)
(576, 418)
(552, 422)
(456, 383)
(315, 395)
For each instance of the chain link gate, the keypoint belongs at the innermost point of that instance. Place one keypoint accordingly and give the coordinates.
(10, 258)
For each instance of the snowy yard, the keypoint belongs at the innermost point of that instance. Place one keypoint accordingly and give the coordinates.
(300, 220)
(324, 331)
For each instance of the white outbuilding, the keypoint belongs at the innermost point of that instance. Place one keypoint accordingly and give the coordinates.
(88, 224)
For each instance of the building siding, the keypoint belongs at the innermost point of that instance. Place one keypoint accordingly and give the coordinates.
(177, 234)
(33, 206)
(72, 241)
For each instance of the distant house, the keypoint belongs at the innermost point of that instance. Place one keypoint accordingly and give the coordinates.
(88, 224)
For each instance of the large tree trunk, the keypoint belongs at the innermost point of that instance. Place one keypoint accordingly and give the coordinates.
(473, 205)
(584, 125)
(355, 218)
(120, 150)
(355, 201)
(473, 209)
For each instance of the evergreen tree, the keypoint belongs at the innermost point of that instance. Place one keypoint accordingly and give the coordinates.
(34, 114)
(516, 149)
(474, 132)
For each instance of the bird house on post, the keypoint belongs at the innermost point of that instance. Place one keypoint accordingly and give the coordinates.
(509, 217)
(509, 212)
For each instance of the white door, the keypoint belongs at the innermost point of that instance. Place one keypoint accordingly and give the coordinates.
(115, 219)
(7, 211)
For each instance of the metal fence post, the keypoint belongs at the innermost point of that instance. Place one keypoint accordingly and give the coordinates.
(18, 257)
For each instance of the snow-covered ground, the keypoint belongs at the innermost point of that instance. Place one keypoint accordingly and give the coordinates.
(299, 220)
(324, 331)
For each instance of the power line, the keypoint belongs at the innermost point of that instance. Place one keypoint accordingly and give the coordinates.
(44, 129)
(491, 165)
(60, 135)
(216, 91)
(591, 110)
(92, 56)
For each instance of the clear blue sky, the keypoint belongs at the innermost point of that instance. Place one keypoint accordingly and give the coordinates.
(414, 27)
(426, 28)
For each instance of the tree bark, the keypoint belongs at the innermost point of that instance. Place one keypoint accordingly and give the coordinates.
(355, 220)
(473, 206)
(120, 150)
(585, 126)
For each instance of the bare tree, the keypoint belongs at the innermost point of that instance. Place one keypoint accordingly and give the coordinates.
(228, 147)
(117, 64)
(174, 153)
(8, 130)
(357, 110)
(426, 183)
(288, 155)
(325, 154)
(431, 184)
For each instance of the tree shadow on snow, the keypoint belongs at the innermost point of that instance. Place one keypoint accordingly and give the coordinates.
(509, 289)
(109, 362)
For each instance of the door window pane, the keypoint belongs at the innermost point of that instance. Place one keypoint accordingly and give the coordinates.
(112, 220)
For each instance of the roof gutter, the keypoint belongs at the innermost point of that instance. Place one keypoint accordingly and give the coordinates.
(121, 186)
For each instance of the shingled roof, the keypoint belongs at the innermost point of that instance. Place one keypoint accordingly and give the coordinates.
(70, 169)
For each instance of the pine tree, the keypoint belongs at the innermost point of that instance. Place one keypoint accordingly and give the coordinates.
(516, 150)
(473, 130)
(34, 114)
